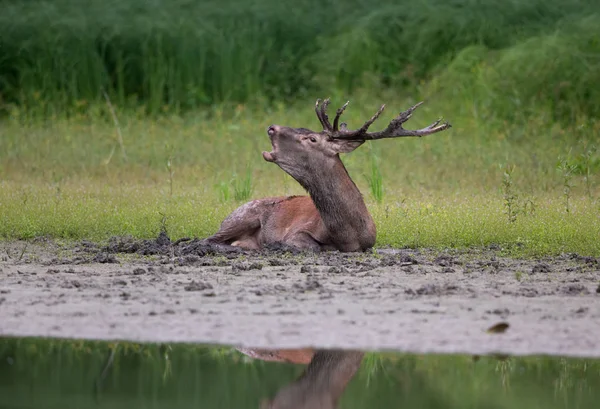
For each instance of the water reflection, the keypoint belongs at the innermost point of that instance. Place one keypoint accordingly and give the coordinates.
(38, 373)
(322, 382)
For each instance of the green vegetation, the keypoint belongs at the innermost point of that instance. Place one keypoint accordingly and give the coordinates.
(182, 54)
(65, 374)
(122, 117)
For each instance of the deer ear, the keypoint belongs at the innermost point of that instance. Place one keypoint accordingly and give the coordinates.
(344, 146)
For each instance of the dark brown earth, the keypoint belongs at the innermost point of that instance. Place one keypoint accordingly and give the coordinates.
(406, 300)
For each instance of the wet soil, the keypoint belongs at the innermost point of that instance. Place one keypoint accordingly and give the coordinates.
(392, 299)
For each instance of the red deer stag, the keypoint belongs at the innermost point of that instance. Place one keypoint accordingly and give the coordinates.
(334, 216)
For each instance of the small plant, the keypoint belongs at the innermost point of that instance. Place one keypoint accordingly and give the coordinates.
(170, 169)
(510, 197)
(529, 206)
(375, 179)
(567, 169)
(169, 166)
(242, 187)
(224, 192)
(586, 164)
(163, 223)
(117, 128)
(518, 275)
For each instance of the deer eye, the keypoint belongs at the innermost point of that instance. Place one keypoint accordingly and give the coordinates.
(313, 139)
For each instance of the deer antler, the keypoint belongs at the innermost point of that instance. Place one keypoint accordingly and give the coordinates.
(393, 130)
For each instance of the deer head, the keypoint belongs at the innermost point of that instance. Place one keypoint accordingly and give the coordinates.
(303, 153)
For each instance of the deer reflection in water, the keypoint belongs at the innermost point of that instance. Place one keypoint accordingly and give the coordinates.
(322, 382)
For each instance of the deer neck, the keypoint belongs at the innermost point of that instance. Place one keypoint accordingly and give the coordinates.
(322, 383)
(330, 371)
(339, 202)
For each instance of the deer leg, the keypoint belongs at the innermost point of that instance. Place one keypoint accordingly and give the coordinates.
(303, 241)
(243, 235)
(240, 228)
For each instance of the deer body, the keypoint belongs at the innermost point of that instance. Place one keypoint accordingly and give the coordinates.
(334, 216)
(321, 221)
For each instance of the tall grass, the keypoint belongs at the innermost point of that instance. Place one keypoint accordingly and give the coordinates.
(181, 54)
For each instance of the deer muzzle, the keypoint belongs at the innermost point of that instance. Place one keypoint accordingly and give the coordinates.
(270, 156)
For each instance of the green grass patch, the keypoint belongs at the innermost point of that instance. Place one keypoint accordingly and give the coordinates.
(474, 185)
(92, 211)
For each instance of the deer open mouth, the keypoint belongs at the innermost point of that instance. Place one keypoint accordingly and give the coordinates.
(271, 156)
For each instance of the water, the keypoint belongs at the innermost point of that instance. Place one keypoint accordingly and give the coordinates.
(41, 373)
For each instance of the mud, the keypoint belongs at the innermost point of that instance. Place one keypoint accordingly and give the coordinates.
(417, 301)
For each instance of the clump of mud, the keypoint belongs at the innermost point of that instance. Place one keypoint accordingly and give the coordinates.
(200, 252)
(162, 245)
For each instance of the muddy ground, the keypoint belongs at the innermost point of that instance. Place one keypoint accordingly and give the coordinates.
(407, 300)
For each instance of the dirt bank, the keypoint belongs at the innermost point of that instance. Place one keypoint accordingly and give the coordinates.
(415, 301)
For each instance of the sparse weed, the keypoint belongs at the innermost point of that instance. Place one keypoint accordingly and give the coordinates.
(242, 186)
(510, 197)
(163, 223)
(171, 171)
(224, 192)
(587, 164)
(567, 169)
(375, 179)
(529, 206)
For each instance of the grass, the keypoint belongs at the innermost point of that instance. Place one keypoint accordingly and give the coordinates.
(89, 211)
(446, 190)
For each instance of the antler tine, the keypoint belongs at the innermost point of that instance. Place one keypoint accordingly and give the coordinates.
(358, 134)
(363, 129)
(322, 114)
(319, 115)
(394, 129)
(401, 132)
(338, 114)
